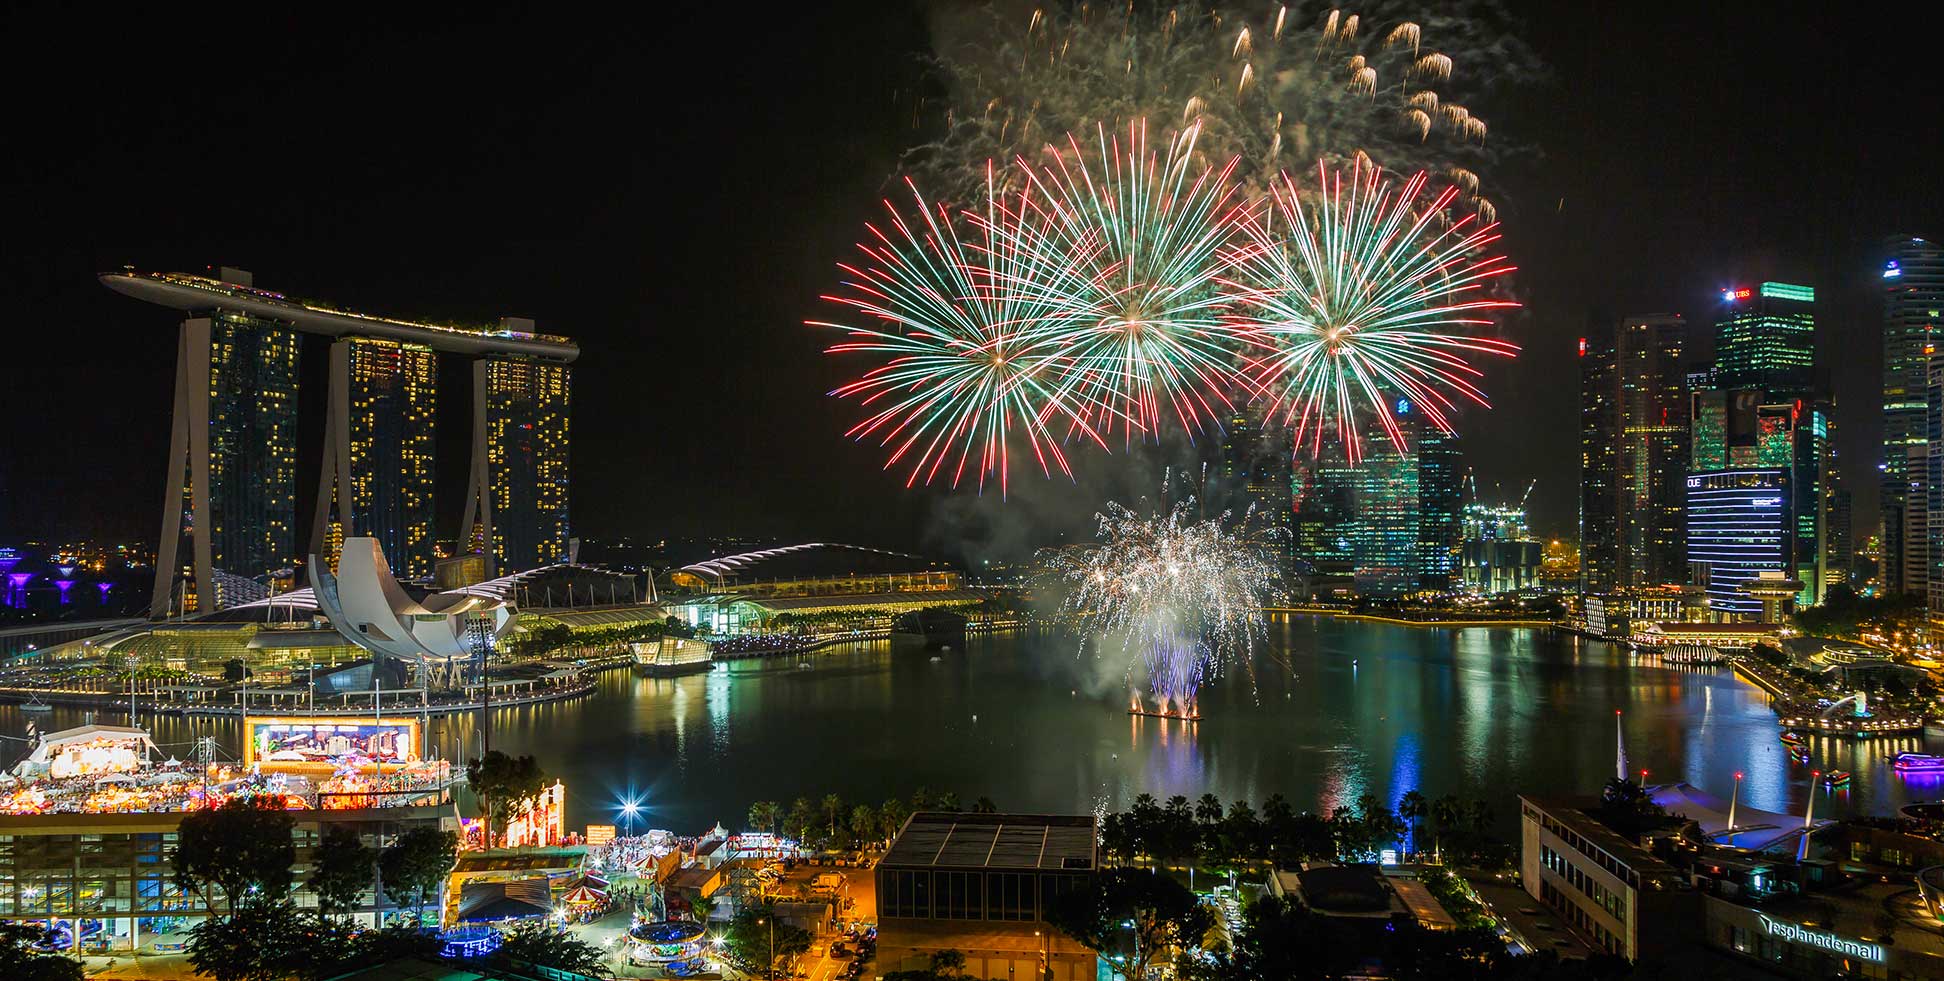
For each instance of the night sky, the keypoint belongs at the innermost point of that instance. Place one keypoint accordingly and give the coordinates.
(673, 192)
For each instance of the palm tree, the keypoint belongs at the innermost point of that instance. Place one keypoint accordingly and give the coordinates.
(863, 824)
(764, 814)
(1412, 809)
(833, 805)
(984, 805)
(891, 818)
(1444, 816)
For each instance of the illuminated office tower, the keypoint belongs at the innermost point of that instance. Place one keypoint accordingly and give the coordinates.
(520, 459)
(1913, 295)
(1738, 527)
(1256, 474)
(1389, 520)
(232, 471)
(378, 475)
(1634, 453)
(1440, 502)
(1766, 339)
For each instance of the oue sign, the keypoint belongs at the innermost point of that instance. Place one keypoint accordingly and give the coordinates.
(1827, 941)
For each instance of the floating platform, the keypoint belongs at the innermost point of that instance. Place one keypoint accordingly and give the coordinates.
(1150, 713)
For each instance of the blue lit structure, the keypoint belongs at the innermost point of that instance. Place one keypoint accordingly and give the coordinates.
(1737, 526)
(469, 941)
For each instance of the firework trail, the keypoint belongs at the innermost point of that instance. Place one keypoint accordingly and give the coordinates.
(1272, 86)
(1179, 598)
(1364, 297)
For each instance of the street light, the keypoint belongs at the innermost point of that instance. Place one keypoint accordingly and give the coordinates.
(629, 808)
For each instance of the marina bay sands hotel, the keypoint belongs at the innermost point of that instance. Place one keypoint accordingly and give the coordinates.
(232, 466)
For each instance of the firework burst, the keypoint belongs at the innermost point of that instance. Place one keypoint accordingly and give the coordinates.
(1124, 259)
(1363, 297)
(971, 362)
(1271, 85)
(1174, 600)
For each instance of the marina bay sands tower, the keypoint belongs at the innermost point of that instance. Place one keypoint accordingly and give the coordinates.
(233, 460)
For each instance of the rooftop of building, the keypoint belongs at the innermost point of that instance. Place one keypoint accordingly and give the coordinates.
(1579, 815)
(187, 291)
(994, 841)
(811, 560)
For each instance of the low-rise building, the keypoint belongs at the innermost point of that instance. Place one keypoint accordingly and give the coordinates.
(1614, 892)
(980, 884)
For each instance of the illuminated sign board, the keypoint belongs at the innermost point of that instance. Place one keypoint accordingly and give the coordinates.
(330, 742)
(1766, 502)
(1827, 941)
(1891, 270)
(1740, 294)
(599, 834)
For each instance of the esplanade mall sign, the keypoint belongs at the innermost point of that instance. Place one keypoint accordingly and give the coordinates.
(1827, 941)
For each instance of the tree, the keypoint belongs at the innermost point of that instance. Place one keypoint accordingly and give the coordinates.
(833, 806)
(1281, 939)
(20, 960)
(1163, 911)
(504, 784)
(268, 940)
(803, 816)
(947, 801)
(749, 936)
(415, 863)
(534, 943)
(864, 824)
(242, 848)
(340, 870)
(1412, 809)
(1628, 808)
(984, 805)
(891, 818)
(764, 814)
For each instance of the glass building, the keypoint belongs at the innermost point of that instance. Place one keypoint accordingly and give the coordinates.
(1913, 293)
(1256, 475)
(526, 411)
(1634, 453)
(391, 402)
(1440, 499)
(1738, 526)
(1388, 521)
(1766, 339)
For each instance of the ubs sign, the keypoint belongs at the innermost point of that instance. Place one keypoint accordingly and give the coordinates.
(1827, 941)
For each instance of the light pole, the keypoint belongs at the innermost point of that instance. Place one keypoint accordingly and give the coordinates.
(769, 969)
(628, 811)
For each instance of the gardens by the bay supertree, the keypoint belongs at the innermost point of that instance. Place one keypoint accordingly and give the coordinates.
(1168, 599)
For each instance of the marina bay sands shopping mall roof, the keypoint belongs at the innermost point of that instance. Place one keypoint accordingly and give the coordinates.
(816, 567)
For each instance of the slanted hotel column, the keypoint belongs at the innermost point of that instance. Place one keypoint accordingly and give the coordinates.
(187, 474)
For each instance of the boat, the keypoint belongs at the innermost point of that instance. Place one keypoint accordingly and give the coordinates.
(1836, 778)
(34, 704)
(1792, 737)
(1799, 754)
(1918, 763)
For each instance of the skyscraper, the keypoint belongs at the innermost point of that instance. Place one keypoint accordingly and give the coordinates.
(1913, 294)
(1600, 567)
(233, 458)
(1766, 339)
(1738, 527)
(1634, 449)
(520, 458)
(1389, 520)
(1255, 471)
(1440, 500)
(378, 475)
(231, 482)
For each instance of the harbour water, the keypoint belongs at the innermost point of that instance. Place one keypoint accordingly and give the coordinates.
(1332, 710)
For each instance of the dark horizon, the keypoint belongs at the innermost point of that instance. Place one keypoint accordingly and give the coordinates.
(674, 194)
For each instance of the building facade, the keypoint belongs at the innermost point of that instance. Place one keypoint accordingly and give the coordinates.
(981, 884)
(1766, 339)
(1256, 471)
(525, 408)
(1634, 448)
(1739, 525)
(231, 482)
(1913, 295)
(1626, 901)
(380, 474)
(1499, 553)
